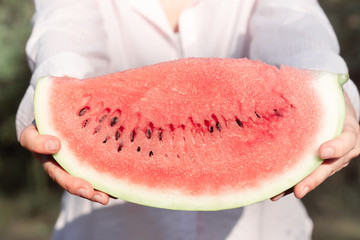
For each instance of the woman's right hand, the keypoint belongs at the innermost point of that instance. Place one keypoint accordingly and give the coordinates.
(42, 146)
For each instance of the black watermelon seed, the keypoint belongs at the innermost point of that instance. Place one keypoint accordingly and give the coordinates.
(151, 153)
(132, 136)
(105, 140)
(103, 118)
(85, 123)
(218, 126)
(117, 135)
(211, 129)
(257, 114)
(148, 133)
(160, 134)
(138, 149)
(83, 111)
(120, 147)
(113, 121)
(239, 123)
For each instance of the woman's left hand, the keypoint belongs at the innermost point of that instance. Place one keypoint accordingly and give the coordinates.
(337, 153)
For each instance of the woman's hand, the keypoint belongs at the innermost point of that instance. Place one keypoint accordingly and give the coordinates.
(337, 154)
(42, 146)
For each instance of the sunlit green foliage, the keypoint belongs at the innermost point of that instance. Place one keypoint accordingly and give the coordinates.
(14, 74)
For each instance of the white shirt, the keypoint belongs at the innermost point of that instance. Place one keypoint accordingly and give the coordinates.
(84, 38)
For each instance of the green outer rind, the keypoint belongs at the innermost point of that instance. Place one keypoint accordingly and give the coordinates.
(173, 199)
(342, 78)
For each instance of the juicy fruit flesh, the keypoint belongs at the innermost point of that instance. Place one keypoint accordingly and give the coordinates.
(222, 129)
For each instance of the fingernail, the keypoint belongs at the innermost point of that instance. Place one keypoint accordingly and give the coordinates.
(82, 192)
(305, 191)
(51, 146)
(327, 153)
(98, 198)
(278, 197)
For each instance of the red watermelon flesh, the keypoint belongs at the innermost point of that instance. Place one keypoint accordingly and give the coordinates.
(192, 134)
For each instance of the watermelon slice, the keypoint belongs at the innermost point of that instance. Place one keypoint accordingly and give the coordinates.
(193, 134)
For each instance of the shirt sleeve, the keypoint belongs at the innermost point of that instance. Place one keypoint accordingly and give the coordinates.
(67, 39)
(297, 33)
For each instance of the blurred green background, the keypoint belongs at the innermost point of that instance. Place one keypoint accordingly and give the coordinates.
(29, 201)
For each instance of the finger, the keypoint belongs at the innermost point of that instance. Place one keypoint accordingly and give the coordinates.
(348, 139)
(101, 197)
(73, 185)
(325, 170)
(337, 154)
(341, 145)
(34, 142)
(283, 194)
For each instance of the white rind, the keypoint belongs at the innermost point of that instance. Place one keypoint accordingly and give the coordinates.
(327, 87)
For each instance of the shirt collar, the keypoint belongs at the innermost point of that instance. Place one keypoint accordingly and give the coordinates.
(153, 12)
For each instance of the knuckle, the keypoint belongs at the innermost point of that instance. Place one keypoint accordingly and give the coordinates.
(68, 188)
(345, 164)
(354, 154)
(36, 145)
(316, 183)
(23, 141)
(51, 173)
(357, 150)
(332, 172)
(322, 176)
(27, 138)
(51, 170)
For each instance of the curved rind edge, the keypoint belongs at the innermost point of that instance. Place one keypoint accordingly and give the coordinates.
(40, 93)
(174, 200)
